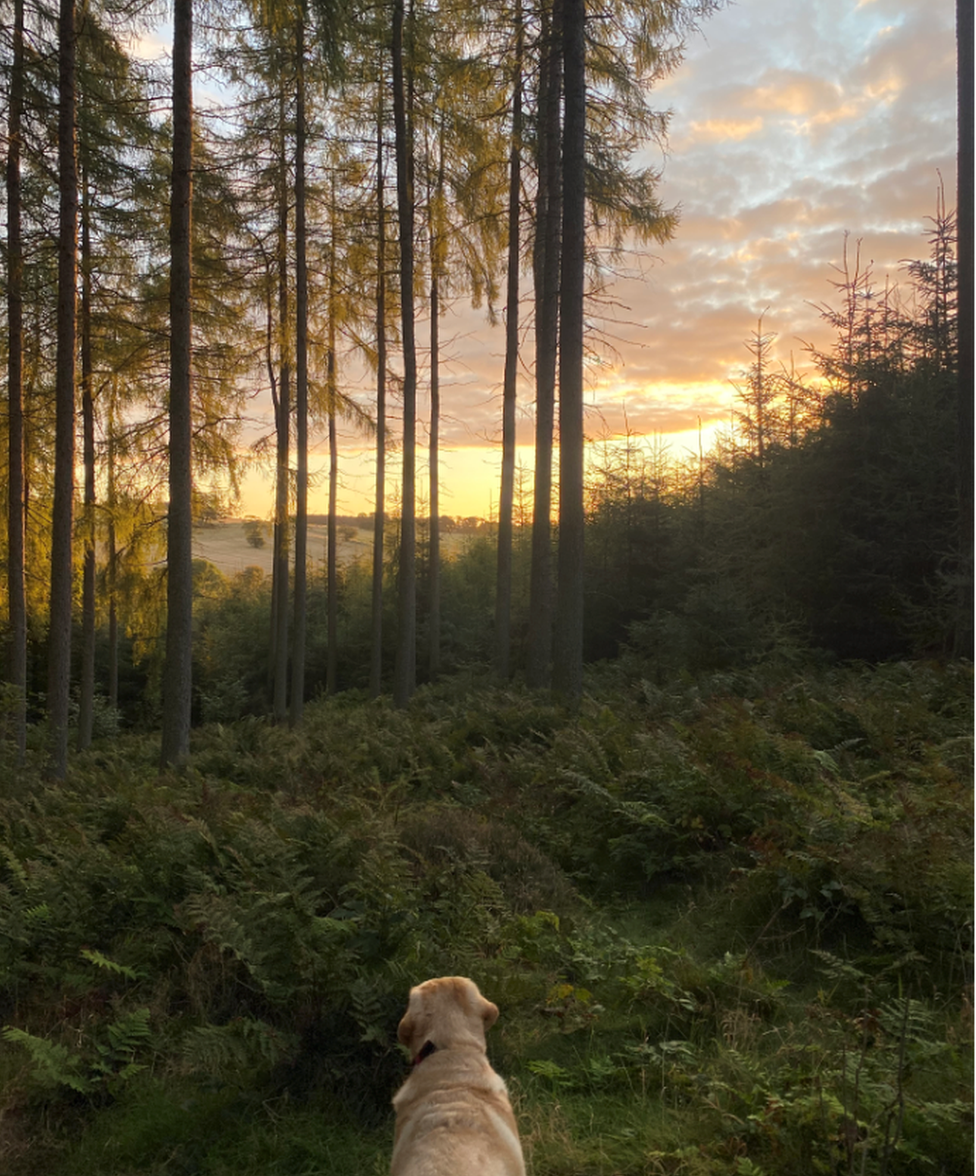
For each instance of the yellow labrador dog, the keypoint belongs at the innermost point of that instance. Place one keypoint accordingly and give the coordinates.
(453, 1117)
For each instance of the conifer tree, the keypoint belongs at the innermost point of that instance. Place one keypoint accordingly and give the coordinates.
(436, 227)
(405, 672)
(503, 585)
(546, 269)
(379, 508)
(118, 196)
(283, 421)
(16, 515)
(177, 685)
(964, 367)
(59, 633)
(568, 647)
(301, 378)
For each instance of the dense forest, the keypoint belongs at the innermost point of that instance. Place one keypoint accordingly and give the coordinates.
(350, 167)
(673, 756)
(360, 169)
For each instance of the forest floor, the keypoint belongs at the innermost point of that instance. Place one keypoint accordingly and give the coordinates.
(727, 920)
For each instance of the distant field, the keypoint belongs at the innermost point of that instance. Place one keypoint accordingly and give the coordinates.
(225, 545)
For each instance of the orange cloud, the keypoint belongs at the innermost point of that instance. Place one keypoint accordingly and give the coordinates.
(717, 130)
(795, 93)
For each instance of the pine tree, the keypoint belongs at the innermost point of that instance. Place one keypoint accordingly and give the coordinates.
(379, 509)
(177, 675)
(568, 647)
(301, 379)
(964, 430)
(503, 586)
(405, 672)
(16, 514)
(59, 638)
(546, 273)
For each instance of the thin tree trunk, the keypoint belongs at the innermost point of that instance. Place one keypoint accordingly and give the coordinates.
(568, 647)
(112, 570)
(332, 570)
(964, 214)
(379, 512)
(546, 272)
(433, 451)
(86, 696)
(405, 674)
(301, 390)
(17, 651)
(177, 673)
(59, 644)
(332, 585)
(506, 500)
(280, 585)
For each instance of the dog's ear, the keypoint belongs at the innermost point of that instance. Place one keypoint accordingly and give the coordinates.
(405, 1029)
(408, 1022)
(489, 1013)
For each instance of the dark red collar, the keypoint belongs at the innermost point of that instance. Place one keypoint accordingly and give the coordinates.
(425, 1052)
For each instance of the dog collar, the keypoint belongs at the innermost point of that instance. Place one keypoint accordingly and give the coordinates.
(425, 1052)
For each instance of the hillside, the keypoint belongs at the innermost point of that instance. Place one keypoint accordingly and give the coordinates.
(728, 921)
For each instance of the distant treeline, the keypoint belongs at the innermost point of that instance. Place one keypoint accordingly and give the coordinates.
(365, 519)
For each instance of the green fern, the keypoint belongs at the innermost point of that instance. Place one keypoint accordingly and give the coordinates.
(233, 1052)
(52, 1064)
(103, 962)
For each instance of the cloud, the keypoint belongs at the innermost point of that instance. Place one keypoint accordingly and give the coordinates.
(794, 93)
(792, 125)
(715, 130)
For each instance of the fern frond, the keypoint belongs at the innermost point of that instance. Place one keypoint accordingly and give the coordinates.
(52, 1064)
(102, 961)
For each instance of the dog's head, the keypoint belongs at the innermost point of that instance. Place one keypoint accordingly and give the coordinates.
(445, 1013)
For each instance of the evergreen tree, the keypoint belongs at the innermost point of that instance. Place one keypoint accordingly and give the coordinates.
(964, 367)
(301, 377)
(506, 498)
(546, 261)
(59, 632)
(177, 685)
(379, 508)
(406, 658)
(16, 514)
(568, 648)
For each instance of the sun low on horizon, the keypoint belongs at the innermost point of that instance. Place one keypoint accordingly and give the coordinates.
(802, 139)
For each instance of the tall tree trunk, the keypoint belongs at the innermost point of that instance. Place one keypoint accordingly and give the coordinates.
(279, 586)
(332, 568)
(301, 388)
(59, 644)
(546, 262)
(506, 500)
(405, 674)
(379, 511)
(332, 392)
(568, 647)
(86, 694)
(433, 451)
(964, 214)
(177, 673)
(17, 651)
(112, 570)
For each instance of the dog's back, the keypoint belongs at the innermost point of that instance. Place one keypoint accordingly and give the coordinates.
(454, 1117)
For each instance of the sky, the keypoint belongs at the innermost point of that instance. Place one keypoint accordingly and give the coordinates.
(792, 124)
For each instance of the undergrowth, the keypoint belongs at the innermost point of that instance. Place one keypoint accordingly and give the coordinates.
(728, 923)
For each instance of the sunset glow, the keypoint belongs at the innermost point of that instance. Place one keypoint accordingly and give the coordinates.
(792, 124)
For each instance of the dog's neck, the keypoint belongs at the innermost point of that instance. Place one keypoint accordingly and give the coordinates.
(425, 1052)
